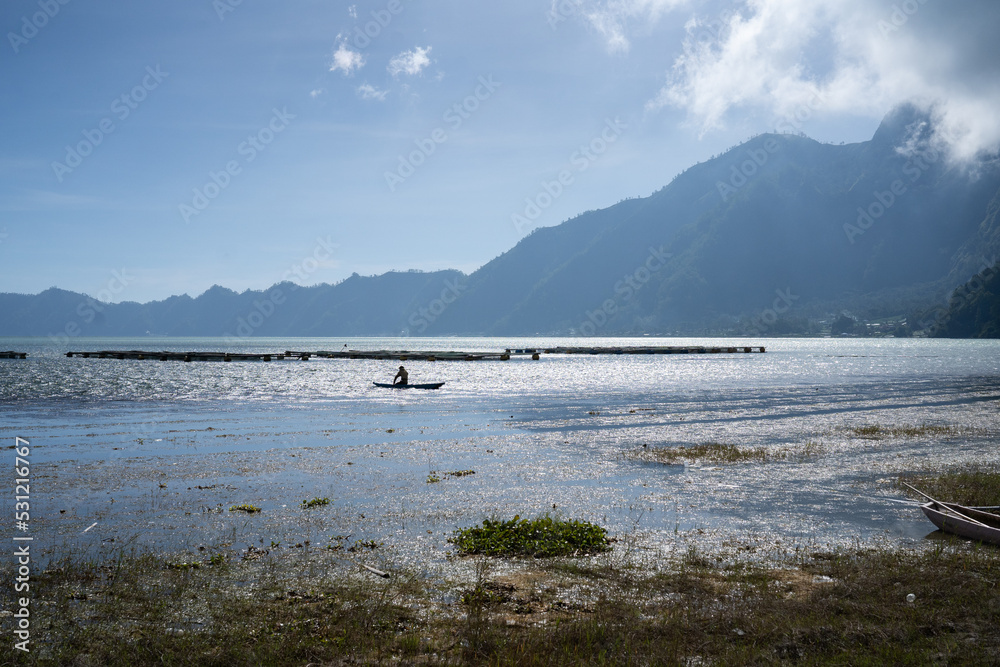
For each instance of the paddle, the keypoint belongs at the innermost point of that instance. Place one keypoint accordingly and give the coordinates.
(945, 507)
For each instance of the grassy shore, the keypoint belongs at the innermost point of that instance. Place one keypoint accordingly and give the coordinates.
(846, 607)
(590, 600)
(971, 485)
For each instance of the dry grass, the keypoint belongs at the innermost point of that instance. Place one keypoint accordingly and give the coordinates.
(313, 607)
(833, 609)
(968, 485)
(827, 608)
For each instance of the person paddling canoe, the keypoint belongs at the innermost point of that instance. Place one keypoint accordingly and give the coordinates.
(402, 376)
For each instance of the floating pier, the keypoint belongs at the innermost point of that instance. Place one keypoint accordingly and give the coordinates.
(10, 354)
(408, 355)
(534, 353)
(657, 349)
(142, 355)
(413, 355)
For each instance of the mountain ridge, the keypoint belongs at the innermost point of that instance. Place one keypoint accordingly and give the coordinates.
(780, 228)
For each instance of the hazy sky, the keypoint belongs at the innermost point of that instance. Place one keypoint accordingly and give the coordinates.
(157, 148)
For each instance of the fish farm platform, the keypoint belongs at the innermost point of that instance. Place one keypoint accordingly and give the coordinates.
(408, 355)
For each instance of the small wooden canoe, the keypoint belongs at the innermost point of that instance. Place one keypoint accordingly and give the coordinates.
(429, 385)
(974, 523)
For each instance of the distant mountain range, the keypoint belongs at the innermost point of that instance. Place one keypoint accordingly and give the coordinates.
(355, 307)
(773, 236)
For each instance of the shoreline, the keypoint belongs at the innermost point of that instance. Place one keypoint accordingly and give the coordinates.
(325, 608)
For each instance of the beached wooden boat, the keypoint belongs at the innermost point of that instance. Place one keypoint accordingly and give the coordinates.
(974, 523)
(428, 385)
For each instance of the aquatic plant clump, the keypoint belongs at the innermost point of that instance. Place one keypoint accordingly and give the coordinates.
(715, 452)
(877, 431)
(543, 537)
(315, 502)
(435, 477)
(249, 509)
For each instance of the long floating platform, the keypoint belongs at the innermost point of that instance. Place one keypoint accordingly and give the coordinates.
(142, 355)
(408, 355)
(534, 353)
(670, 349)
(10, 354)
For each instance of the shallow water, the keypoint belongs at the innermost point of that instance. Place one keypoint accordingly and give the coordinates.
(156, 452)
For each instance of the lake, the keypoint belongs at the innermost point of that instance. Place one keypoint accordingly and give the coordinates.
(153, 454)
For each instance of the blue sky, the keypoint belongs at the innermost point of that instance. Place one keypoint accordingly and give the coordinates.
(152, 149)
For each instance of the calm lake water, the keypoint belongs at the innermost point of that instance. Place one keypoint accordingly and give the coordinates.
(154, 453)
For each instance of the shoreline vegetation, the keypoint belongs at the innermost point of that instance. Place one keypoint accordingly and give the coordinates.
(546, 590)
(716, 452)
(969, 485)
(844, 607)
(724, 453)
(537, 601)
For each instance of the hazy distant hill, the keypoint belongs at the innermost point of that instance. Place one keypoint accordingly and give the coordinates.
(778, 229)
(781, 223)
(378, 305)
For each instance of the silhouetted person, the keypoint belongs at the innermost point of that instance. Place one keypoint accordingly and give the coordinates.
(402, 376)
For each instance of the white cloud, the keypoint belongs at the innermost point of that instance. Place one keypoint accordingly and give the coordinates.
(410, 62)
(369, 92)
(611, 18)
(346, 60)
(315, 93)
(352, 11)
(846, 56)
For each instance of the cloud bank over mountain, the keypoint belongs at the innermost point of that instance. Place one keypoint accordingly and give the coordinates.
(845, 56)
